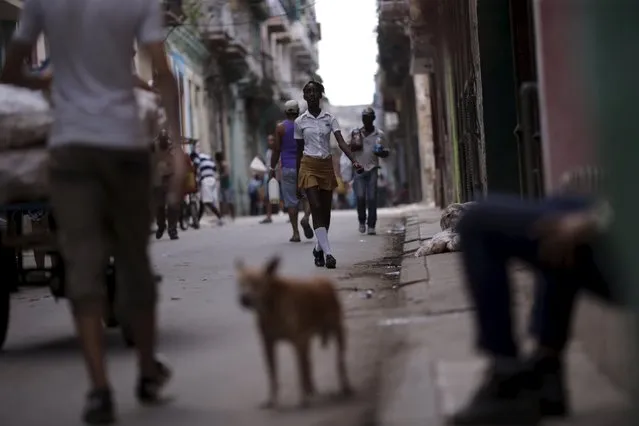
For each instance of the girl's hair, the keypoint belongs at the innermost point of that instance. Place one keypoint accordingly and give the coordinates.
(319, 85)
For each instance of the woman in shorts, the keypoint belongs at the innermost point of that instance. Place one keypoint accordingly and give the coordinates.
(316, 175)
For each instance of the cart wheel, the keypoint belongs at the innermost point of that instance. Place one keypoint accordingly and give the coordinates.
(127, 335)
(5, 302)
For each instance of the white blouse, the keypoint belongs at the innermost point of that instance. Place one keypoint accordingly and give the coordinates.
(316, 133)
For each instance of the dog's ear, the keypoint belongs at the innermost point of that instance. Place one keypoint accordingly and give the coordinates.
(239, 264)
(272, 265)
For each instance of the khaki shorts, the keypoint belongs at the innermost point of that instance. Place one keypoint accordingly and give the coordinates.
(100, 199)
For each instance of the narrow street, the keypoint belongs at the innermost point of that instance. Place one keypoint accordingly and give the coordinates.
(210, 342)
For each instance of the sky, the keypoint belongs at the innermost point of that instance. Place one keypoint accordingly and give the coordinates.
(348, 50)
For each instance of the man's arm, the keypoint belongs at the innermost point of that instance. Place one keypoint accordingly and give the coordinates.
(277, 148)
(299, 141)
(20, 48)
(385, 151)
(150, 36)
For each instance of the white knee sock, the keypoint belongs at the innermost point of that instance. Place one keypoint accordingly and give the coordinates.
(322, 240)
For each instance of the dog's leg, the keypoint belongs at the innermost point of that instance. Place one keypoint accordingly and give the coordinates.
(271, 368)
(341, 360)
(307, 388)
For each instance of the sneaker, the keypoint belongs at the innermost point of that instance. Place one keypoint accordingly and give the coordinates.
(500, 400)
(371, 231)
(99, 408)
(266, 220)
(331, 263)
(362, 228)
(319, 258)
(149, 388)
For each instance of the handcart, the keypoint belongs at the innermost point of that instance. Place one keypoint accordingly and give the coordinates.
(14, 241)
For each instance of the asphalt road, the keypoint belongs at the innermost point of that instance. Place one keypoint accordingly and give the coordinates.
(210, 342)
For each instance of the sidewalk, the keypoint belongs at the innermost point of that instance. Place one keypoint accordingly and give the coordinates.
(437, 368)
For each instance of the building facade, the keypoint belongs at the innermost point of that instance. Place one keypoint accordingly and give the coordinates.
(236, 63)
(261, 54)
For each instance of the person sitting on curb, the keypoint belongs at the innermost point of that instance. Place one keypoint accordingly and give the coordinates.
(564, 239)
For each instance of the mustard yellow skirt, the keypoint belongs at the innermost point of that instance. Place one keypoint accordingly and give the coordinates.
(317, 172)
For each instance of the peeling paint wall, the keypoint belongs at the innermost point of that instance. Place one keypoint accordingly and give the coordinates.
(425, 136)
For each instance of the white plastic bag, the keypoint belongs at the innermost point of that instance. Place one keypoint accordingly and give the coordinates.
(25, 118)
(346, 168)
(23, 175)
(258, 166)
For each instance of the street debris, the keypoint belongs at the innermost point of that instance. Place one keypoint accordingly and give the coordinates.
(448, 239)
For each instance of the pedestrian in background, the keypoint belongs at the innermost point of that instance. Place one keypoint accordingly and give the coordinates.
(207, 180)
(166, 215)
(285, 150)
(227, 196)
(254, 194)
(267, 161)
(367, 149)
(99, 160)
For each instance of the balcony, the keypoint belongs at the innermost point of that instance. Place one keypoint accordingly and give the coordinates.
(260, 9)
(219, 31)
(315, 30)
(393, 11)
(278, 23)
(304, 50)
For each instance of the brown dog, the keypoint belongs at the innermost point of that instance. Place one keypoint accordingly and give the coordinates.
(293, 310)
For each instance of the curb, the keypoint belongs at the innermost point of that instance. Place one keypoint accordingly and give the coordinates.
(409, 394)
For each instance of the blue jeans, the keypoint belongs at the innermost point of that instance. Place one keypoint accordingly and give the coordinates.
(365, 188)
(495, 231)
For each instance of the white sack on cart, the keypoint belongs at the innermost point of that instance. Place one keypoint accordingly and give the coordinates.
(23, 175)
(149, 112)
(25, 117)
(258, 166)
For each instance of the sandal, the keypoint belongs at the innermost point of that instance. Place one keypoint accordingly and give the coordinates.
(148, 388)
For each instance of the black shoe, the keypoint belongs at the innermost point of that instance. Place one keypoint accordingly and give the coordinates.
(159, 233)
(500, 400)
(319, 258)
(547, 377)
(174, 235)
(149, 388)
(308, 231)
(331, 263)
(99, 408)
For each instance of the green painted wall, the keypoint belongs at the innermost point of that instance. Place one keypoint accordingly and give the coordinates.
(451, 113)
